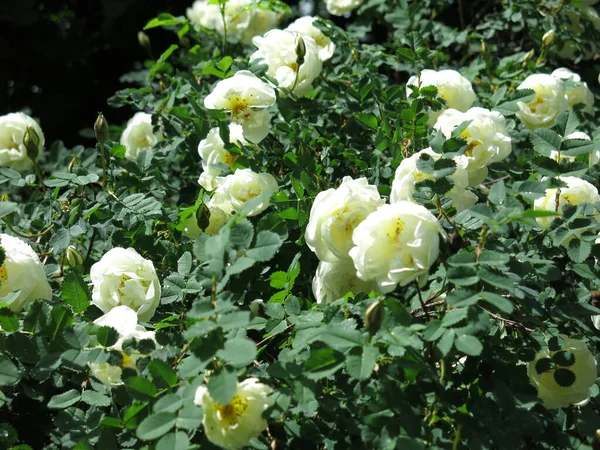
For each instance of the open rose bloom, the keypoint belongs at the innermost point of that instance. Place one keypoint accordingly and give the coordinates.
(13, 153)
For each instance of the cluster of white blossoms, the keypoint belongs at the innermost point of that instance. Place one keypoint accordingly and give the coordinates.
(124, 277)
(554, 94)
(241, 21)
(455, 89)
(232, 426)
(487, 139)
(565, 375)
(124, 320)
(365, 244)
(139, 135)
(13, 151)
(22, 271)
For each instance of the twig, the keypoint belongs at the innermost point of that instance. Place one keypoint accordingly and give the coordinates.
(508, 322)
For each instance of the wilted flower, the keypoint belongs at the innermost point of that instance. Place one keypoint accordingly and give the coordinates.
(455, 89)
(13, 151)
(22, 271)
(396, 244)
(549, 101)
(244, 95)
(123, 277)
(577, 91)
(563, 375)
(232, 426)
(333, 280)
(124, 320)
(487, 139)
(213, 153)
(335, 214)
(292, 69)
(139, 135)
(304, 25)
(408, 175)
(240, 187)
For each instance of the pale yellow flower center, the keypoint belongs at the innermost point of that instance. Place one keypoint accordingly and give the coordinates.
(230, 159)
(229, 413)
(127, 361)
(3, 274)
(123, 279)
(538, 100)
(237, 105)
(398, 229)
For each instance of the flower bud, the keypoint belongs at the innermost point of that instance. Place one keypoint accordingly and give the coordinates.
(374, 316)
(73, 257)
(528, 56)
(31, 140)
(144, 41)
(101, 129)
(203, 216)
(548, 38)
(300, 51)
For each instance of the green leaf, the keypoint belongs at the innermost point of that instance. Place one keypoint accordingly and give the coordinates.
(169, 403)
(94, 398)
(368, 119)
(173, 441)
(545, 140)
(492, 258)
(238, 352)
(267, 245)
(163, 371)
(360, 362)
(64, 400)
(156, 425)
(323, 362)
(107, 336)
(510, 105)
(543, 365)
(222, 385)
(503, 304)
(75, 292)
(60, 241)
(455, 316)
(141, 387)
(468, 344)
(497, 193)
(184, 264)
(564, 377)
(7, 208)
(161, 61)
(579, 250)
(163, 20)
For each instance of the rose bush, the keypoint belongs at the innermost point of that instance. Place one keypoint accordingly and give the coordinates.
(377, 230)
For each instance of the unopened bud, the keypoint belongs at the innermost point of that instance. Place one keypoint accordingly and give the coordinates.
(374, 316)
(74, 162)
(4, 197)
(528, 56)
(73, 257)
(548, 38)
(484, 48)
(31, 141)
(203, 216)
(101, 129)
(144, 41)
(300, 51)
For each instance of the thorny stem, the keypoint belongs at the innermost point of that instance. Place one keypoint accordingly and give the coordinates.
(508, 322)
(457, 438)
(420, 296)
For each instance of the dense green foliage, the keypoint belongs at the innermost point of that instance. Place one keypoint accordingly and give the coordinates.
(369, 370)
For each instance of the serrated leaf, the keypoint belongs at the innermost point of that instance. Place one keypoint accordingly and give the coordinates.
(64, 400)
(360, 362)
(266, 246)
(184, 264)
(238, 352)
(94, 398)
(156, 425)
(76, 292)
(173, 441)
(469, 345)
(168, 403)
(323, 362)
(222, 385)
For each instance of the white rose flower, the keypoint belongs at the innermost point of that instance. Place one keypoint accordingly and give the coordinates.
(455, 89)
(304, 25)
(487, 139)
(244, 19)
(335, 214)
(212, 151)
(334, 280)
(244, 95)
(408, 175)
(22, 271)
(578, 93)
(577, 191)
(123, 277)
(577, 365)
(242, 186)
(278, 50)
(550, 100)
(232, 426)
(342, 7)
(124, 320)
(13, 153)
(396, 244)
(139, 135)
